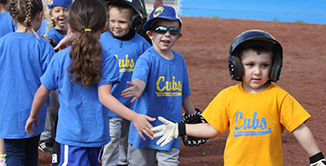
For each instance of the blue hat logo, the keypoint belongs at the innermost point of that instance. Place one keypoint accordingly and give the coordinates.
(158, 11)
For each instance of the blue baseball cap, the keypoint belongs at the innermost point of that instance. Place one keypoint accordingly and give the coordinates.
(64, 3)
(162, 12)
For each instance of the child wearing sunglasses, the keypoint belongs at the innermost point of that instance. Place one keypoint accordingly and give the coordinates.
(159, 87)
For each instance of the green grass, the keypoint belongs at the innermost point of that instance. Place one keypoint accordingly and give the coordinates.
(298, 21)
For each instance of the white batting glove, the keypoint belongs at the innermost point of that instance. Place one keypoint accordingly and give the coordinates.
(321, 162)
(168, 130)
(317, 160)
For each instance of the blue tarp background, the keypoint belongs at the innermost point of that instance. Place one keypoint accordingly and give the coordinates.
(306, 11)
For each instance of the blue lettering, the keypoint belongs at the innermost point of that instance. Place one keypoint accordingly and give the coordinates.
(239, 115)
(250, 123)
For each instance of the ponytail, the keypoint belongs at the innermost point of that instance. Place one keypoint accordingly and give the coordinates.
(86, 60)
(86, 17)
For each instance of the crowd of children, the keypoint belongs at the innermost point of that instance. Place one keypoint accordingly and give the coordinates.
(104, 98)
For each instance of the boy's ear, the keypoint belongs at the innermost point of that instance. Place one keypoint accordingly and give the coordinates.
(150, 34)
(180, 35)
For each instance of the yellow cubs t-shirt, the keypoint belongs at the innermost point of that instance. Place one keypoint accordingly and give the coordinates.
(256, 122)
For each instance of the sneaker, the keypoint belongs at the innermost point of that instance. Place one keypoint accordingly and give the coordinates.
(44, 147)
(2, 161)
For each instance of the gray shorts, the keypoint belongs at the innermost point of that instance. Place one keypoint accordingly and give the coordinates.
(110, 154)
(148, 157)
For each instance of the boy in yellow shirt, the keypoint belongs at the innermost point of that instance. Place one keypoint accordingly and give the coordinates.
(255, 111)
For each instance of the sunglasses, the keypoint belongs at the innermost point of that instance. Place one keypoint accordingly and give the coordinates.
(164, 29)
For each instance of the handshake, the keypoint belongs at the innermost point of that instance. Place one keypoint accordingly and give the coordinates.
(171, 130)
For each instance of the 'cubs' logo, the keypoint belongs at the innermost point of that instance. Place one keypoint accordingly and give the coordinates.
(158, 11)
(49, 2)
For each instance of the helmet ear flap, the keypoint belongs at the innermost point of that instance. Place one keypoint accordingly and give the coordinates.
(136, 22)
(276, 69)
(235, 68)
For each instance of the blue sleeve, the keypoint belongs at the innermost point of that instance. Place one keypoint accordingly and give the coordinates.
(47, 55)
(109, 69)
(50, 78)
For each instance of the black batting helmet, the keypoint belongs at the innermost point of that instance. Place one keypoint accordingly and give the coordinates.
(137, 5)
(255, 38)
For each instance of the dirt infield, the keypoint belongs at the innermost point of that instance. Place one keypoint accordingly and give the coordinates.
(205, 44)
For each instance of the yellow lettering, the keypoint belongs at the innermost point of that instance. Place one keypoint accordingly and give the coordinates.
(126, 63)
(158, 83)
(168, 86)
(132, 63)
(180, 87)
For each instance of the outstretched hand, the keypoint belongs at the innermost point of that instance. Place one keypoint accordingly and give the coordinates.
(168, 130)
(29, 125)
(143, 126)
(66, 41)
(133, 91)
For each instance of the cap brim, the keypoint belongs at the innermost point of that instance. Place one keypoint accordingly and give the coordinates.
(148, 24)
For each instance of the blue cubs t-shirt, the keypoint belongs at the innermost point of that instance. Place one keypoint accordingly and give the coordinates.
(55, 35)
(127, 52)
(23, 60)
(166, 85)
(82, 121)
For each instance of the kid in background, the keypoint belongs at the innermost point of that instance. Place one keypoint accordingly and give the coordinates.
(122, 40)
(7, 25)
(84, 78)
(160, 87)
(24, 57)
(59, 12)
(256, 111)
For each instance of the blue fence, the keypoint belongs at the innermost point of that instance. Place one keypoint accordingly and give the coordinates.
(306, 11)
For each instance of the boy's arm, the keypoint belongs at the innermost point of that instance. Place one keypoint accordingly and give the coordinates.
(40, 98)
(140, 121)
(171, 130)
(308, 142)
(201, 130)
(135, 90)
(66, 41)
(187, 106)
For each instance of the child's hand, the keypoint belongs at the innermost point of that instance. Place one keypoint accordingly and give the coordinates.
(29, 125)
(143, 126)
(168, 129)
(66, 41)
(132, 91)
